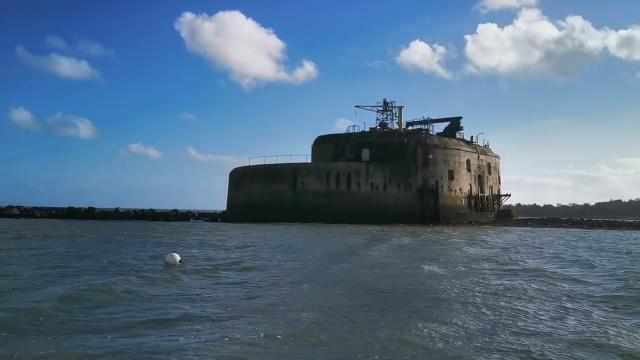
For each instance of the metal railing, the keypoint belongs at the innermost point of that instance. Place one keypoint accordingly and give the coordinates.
(278, 159)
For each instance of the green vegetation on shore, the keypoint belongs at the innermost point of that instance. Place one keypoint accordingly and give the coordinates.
(613, 209)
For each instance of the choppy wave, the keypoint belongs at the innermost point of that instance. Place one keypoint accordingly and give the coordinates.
(83, 289)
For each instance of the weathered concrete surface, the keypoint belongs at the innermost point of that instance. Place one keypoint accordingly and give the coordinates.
(321, 192)
(373, 177)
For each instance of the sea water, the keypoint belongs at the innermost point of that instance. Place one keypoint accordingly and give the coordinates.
(99, 290)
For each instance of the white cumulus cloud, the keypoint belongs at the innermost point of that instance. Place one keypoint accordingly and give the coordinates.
(423, 57)
(620, 177)
(56, 42)
(375, 64)
(72, 126)
(229, 160)
(625, 43)
(60, 124)
(535, 44)
(189, 116)
(82, 45)
(63, 66)
(140, 149)
(93, 48)
(342, 124)
(494, 5)
(237, 44)
(24, 119)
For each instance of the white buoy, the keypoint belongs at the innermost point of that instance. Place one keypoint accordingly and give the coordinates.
(172, 259)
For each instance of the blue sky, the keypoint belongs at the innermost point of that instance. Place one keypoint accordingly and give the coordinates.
(133, 104)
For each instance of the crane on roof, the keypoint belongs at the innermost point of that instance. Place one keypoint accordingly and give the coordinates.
(388, 114)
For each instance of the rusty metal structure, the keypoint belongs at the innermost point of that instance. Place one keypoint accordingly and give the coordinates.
(395, 172)
(388, 114)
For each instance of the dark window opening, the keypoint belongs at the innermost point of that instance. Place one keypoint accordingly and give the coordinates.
(481, 184)
(468, 165)
(451, 175)
(337, 180)
(358, 185)
(489, 168)
(371, 186)
(327, 178)
(384, 187)
(348, 181)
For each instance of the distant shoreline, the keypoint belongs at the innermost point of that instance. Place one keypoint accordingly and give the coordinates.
(91, 213)
(570, 223)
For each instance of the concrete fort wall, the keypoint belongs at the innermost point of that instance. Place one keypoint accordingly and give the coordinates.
(467, 189)
(404, 178)
(354, 192)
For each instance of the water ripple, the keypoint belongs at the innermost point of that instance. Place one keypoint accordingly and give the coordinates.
(84, 289)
